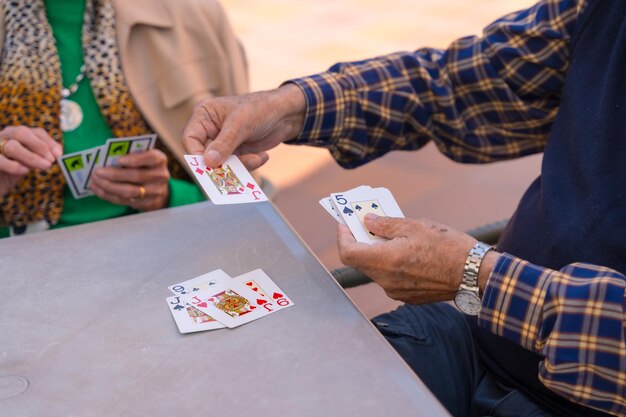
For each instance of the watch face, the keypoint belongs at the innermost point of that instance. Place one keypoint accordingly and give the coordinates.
(468, 302)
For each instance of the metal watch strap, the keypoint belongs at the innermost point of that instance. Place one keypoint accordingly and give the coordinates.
(472, 264)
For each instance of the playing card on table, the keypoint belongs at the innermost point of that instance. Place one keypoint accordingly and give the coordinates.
(354, 204)
(75, 167)
(230, 183)
(259, 282)
(114, 148)
(200, 283)
(188, 318)
(231, 303)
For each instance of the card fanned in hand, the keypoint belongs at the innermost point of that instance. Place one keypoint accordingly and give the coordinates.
(350, 208)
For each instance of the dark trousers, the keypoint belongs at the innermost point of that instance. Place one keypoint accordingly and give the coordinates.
(436, 342)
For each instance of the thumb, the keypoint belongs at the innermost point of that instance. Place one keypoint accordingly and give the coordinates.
(224, 145)
(388, 227)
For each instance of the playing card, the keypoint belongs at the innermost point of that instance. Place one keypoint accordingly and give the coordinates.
(262, 284)
(200, 283)
(230, 183)
(75, 169)
(354, 205)
(94, 160)
(114, 148)
(328, 205)
(230, 302)
(189, 319)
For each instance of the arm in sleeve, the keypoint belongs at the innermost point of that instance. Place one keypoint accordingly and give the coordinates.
(486, 98)
(574, 318)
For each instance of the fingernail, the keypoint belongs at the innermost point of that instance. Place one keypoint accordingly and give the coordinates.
(58, 150)
(122, 160)
(213, 157)
(371, 217)
(50, 157)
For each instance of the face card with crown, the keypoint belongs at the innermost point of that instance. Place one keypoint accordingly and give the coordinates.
(189, 319)
(230, 183)
(231, 303)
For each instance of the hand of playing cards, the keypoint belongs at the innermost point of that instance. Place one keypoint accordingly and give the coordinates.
(215, 300)
(350, 208)
(78, 166)
(230, 183)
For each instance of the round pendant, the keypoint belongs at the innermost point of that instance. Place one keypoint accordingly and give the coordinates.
(71, 115)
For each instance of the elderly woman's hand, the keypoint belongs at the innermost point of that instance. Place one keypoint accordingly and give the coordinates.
(141, 182)
(23, 149)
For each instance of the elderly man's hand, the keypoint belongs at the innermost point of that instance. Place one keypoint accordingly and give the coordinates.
(422, 262)
(247, 125)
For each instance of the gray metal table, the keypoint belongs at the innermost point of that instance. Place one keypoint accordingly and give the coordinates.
(85, 330)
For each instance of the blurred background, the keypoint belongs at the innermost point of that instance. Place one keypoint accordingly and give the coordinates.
(289, 38)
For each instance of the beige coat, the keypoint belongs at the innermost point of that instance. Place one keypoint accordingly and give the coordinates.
(175, 53)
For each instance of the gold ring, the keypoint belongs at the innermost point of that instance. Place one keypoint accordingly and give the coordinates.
(142, 194)
(3, 143)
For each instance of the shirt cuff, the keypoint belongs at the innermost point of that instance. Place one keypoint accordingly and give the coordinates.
(325, 109)
(183, 192)
(513, 301)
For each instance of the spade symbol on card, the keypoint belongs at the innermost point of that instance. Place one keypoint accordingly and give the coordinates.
(374, 206)
(347, 211)
(179, 307)
(357, 207)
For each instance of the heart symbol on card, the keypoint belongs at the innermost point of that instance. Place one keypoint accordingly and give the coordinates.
(202, 305)
(261, 301)
(252, 307)
(249, 283)
(277, 295)
(250, 186)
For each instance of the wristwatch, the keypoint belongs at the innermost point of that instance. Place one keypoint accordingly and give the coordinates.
(467, 298)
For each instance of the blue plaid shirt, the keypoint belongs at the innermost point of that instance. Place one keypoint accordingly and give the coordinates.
(486, 99)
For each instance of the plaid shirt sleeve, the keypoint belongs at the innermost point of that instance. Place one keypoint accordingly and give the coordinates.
(486, 98)
(574, 318)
